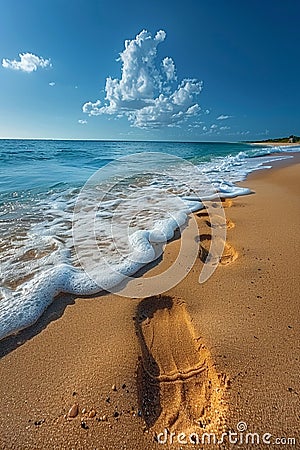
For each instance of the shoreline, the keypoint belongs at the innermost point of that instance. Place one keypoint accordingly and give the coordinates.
(239, 315)
(276, 144)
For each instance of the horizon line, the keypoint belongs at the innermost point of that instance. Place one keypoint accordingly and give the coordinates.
(124, 140)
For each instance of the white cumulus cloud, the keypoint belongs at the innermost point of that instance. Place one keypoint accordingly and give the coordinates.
(145, 93)
(28, 63)
(82, 122)
(92, 109)
(52, 84)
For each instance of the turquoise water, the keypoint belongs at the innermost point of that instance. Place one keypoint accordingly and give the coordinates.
(130, 209)
(42, 165)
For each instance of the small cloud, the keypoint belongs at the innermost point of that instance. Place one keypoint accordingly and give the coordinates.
(214, 126)
(92, 109)
(52, 84)
(204, 128)
(76, 87)
(224, 128)
(240, 133)
(82, 122)
(223, 117)
(195, 125)
(193, 110)
(28, 63)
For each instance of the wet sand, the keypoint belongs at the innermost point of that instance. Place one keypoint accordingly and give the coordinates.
(198, 358)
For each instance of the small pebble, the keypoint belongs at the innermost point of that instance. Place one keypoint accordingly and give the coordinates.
(39, 422)
(83, 411)
(84, 425)
(73, 411)
(114, 387)
(92, 413)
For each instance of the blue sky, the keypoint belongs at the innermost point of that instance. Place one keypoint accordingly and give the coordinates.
(201, 70)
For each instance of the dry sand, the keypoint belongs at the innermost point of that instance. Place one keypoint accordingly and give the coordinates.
(198, 358)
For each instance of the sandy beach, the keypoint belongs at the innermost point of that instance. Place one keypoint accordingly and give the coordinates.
(198, 358)
(276, 144)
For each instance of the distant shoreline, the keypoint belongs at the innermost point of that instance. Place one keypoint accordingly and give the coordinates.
(276, 144)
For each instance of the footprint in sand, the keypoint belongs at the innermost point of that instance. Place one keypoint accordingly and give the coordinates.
(206, 252)
(228, 256)
(177, 382)
(227, 202)
(219, 222)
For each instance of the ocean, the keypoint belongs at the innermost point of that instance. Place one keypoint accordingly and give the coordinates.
(82, 216)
